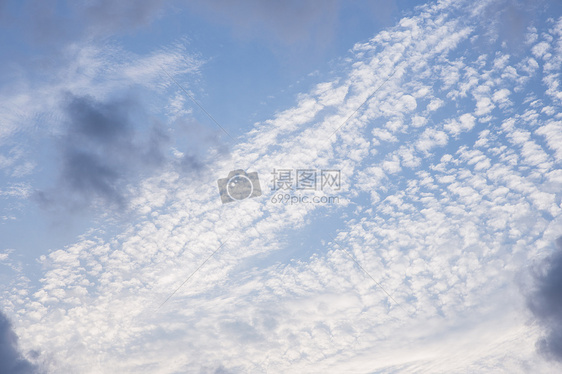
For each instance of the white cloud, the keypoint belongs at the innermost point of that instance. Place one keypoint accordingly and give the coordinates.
(483, 106)
(91, 70)
(552, 132)
(431, 138)
(434, 104)
(540, 49)
(464, 123)
(418, 121)
(501, 95)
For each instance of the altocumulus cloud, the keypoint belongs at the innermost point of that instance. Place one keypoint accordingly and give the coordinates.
(546, 303)
(11, 359)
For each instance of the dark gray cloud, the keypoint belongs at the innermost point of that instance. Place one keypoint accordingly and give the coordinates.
(545, 302)
(106, 147)
(11, 359)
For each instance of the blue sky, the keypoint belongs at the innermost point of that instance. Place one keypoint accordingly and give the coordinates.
(438, 254)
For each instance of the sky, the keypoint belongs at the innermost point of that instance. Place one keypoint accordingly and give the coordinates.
(285, 187)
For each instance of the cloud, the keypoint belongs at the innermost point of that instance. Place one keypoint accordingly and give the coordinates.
(105, 119)
(438, 239)
(11, 359)
(106, 146)
(76, 162)
(546, 303)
